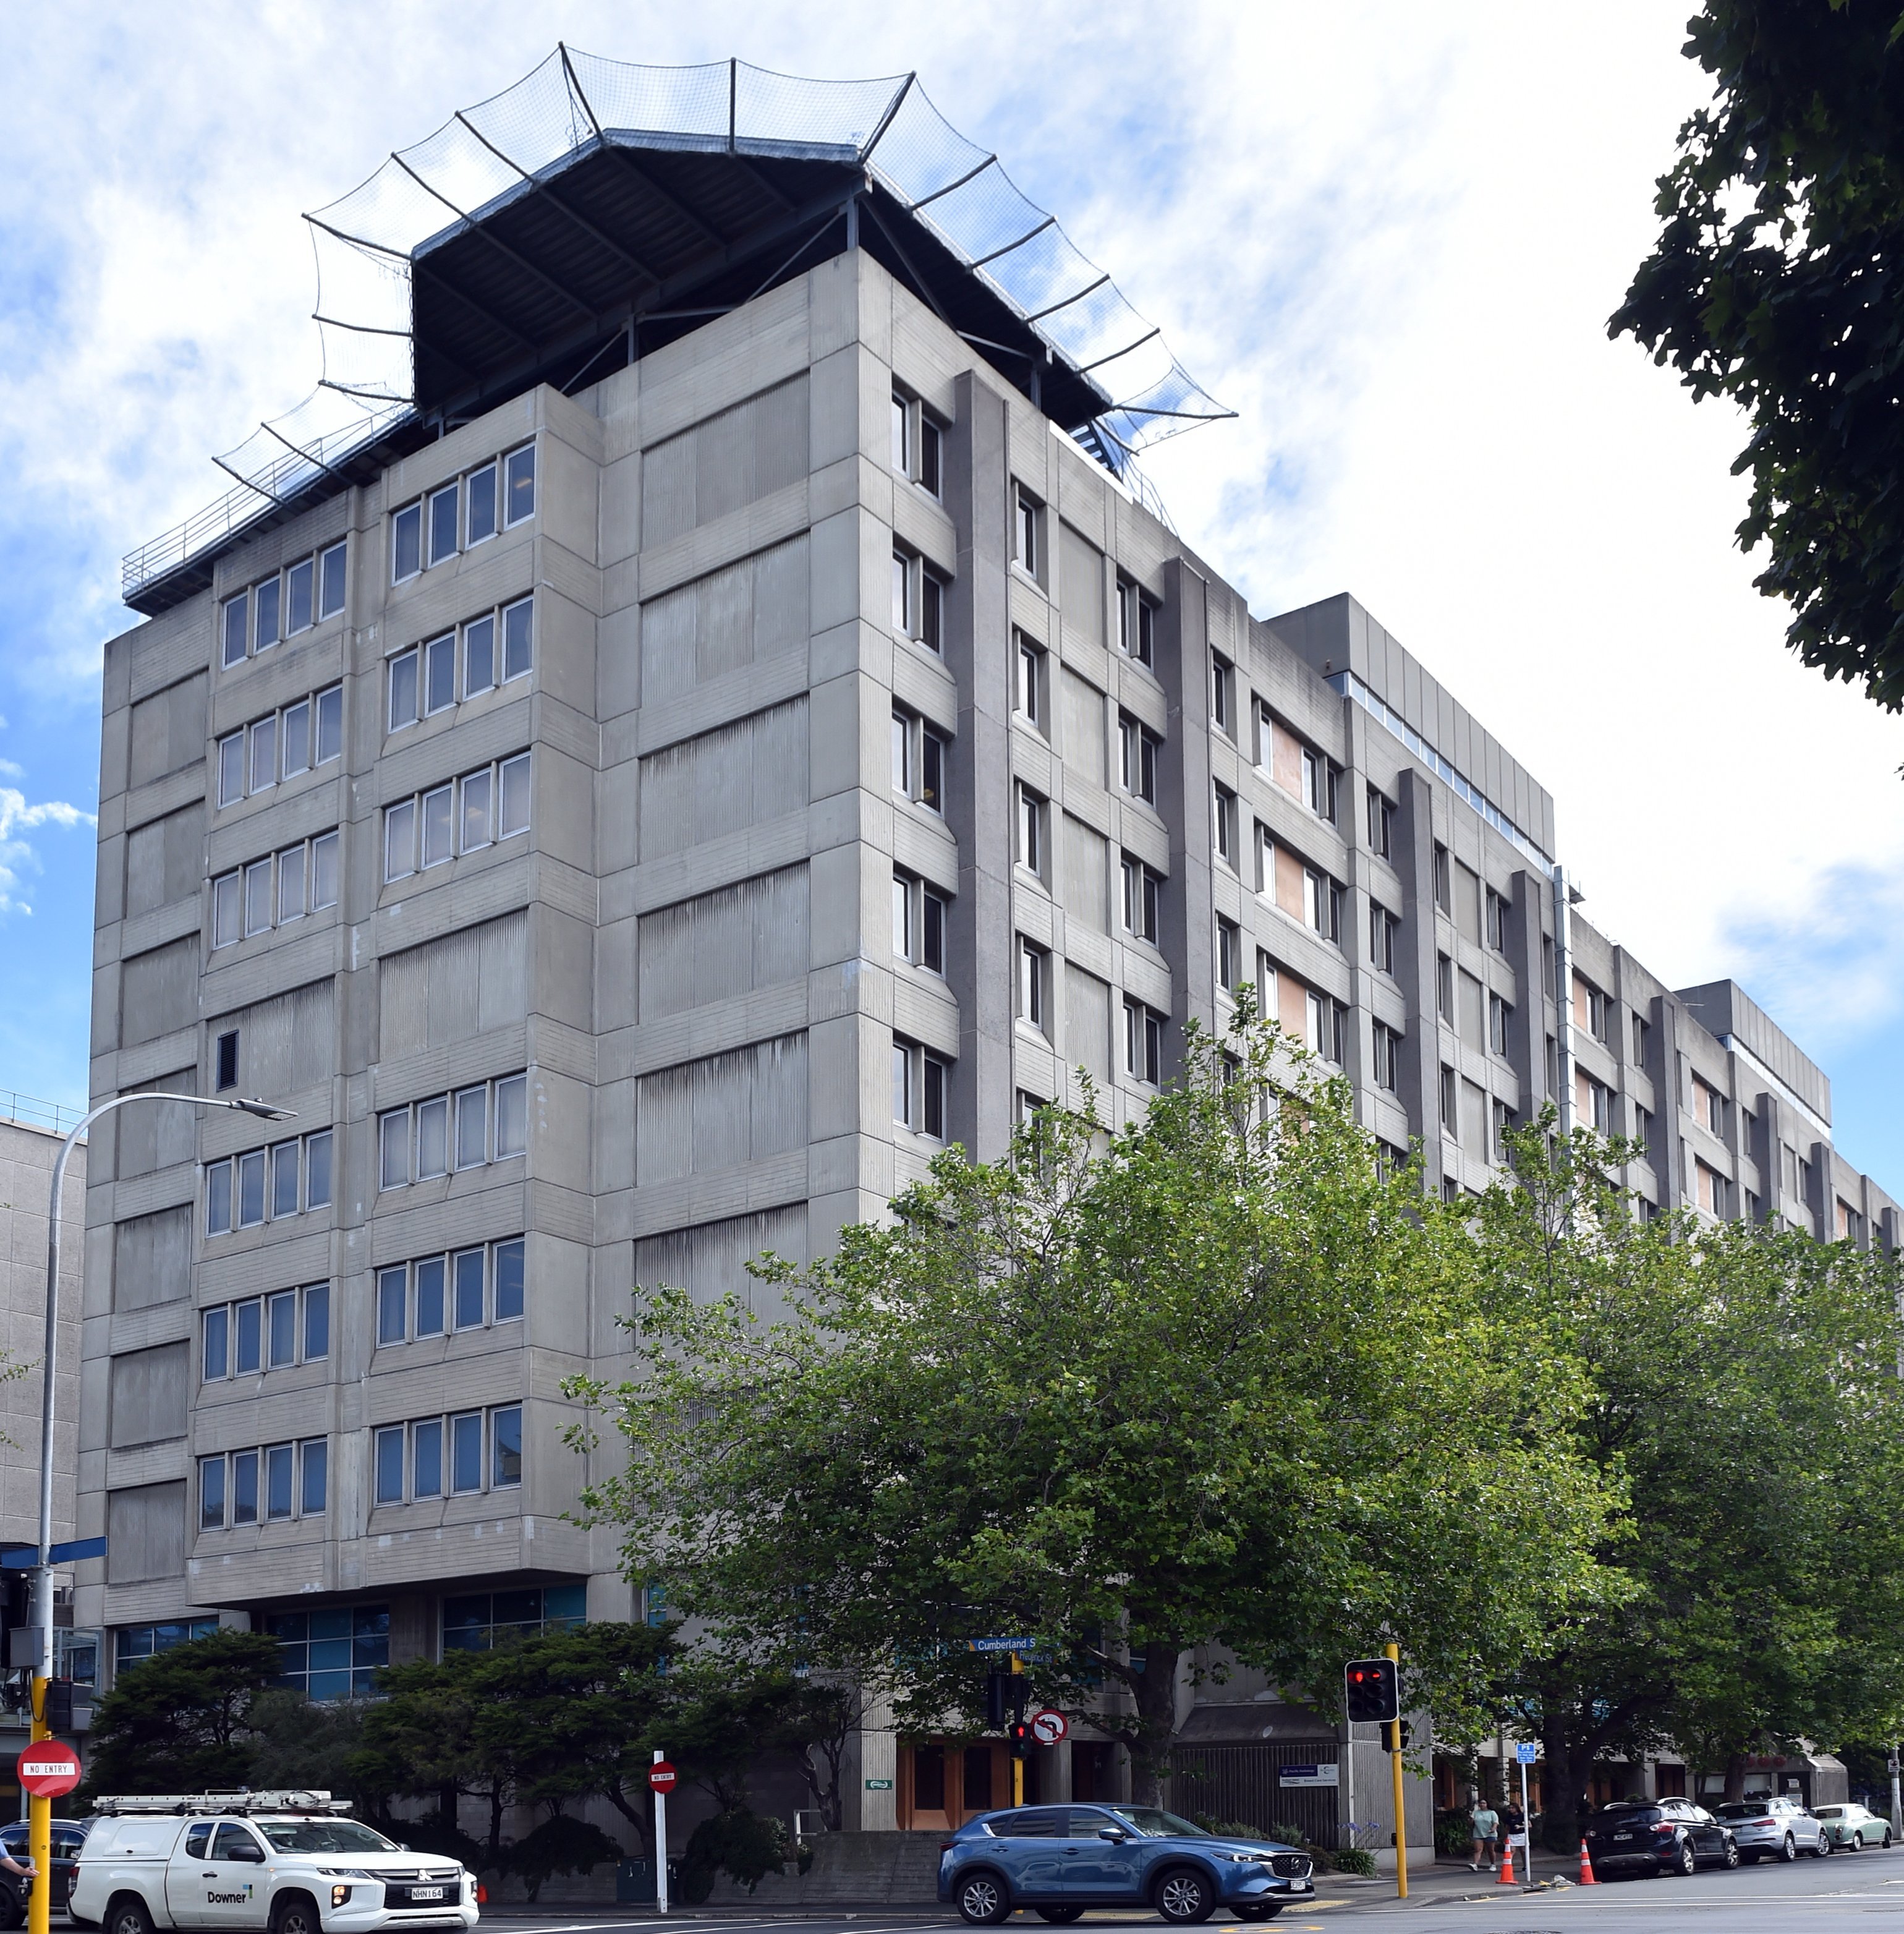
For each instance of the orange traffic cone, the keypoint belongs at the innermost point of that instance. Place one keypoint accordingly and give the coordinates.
(1588, 1877)
(1505, 1877)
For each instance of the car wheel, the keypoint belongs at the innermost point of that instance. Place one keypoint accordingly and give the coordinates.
(983, 1899)
(1731, 1855)
(128, 1915)
(1885, 1844)
(1788, 1849)
(1824, 1847)
(1184, 1897)
(1059, 1917)
(296, 1913)
(1688, 1862)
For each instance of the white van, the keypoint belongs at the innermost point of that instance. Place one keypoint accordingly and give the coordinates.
(275, 1863)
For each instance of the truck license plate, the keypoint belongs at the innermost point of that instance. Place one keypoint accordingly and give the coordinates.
(425, 1893)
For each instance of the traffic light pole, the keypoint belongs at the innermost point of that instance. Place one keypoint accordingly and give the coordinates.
(1017, 1762)
(39, 1813)
(1394, 1652)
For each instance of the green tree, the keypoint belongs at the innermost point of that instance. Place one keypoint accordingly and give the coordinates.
(1746, 1391)
(1775, 283)
(181, 1721)
(1211, 1380)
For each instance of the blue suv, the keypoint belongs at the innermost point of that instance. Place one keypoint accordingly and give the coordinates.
(1058, 1860)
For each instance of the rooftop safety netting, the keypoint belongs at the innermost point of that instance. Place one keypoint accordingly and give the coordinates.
(384, 251)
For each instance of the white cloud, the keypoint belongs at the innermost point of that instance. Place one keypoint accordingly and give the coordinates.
(17, 817)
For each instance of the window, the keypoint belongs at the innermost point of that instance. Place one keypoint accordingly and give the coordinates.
(225, 1056)
(1708, 1106)
(919, 1080)
(470, 1451)
(1497, 922)
(477, 810)
(1223, 812)
(1034, 983)
(1713, 1190)
(1642, 1123)
(1443, 880)
(413, 1142)
(1136, 623)
(1387, 1059)
(467, 1289)
(442, 522)
(296, 1484)
(918, 761)
(281, 746)
(282, 606)
(1143, 890)
(1592, 1102)
(1229, 953)
(916, 442)
(1032, 820)
(918, 600)
(272, 891)
(1381, 826)
(421, 680)
(1589, 1008)
(1327, 1023)
(919, 917)
(478, 1623)
(406, 543)
(235, 1194)
(1222, 694)
(1028, 532)
(1499, 1013)
(1382, 928)
(1319, 778)
(480, 515)
(1143, 1042)
(132, 1643)
(462, 513)
(333, 1653)
(1138, 747)
(519, 485)
(1450, 1103)
(1445, 988)
(1503, 1120)
(1642, 1032)
(1322, 904)
(1033, 696)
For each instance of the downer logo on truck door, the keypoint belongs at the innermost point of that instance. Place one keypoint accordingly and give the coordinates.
(213, 1898)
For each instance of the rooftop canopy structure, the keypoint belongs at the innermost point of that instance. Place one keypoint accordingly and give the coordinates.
(597, 210)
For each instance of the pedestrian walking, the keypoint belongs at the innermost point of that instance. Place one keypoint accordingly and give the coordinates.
(1487, 1836)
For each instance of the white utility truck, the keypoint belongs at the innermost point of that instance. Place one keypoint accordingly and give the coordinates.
(287, 1862)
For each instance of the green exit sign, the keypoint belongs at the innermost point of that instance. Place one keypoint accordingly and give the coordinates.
(879, 1786)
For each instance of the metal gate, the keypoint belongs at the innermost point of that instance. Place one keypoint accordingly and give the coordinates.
(1241, 1783)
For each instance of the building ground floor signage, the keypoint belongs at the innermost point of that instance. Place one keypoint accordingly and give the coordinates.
(879, 1786)
(1316, 1773)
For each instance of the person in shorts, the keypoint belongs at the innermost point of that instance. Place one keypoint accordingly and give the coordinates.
(1487, 1837)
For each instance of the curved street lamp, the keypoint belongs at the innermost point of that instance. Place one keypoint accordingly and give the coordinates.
(40, 1815)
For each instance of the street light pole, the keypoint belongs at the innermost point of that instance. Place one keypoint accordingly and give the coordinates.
(40, 1811)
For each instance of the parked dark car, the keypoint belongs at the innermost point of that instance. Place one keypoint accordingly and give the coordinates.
(1657, 1836)
(68, 1837)
(1058, 1860)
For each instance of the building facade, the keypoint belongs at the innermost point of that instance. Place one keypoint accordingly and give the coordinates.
(635, 826)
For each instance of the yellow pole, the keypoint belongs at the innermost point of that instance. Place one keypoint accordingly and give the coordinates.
(39, 1828)
(1401, 1825)
(1017, 1764)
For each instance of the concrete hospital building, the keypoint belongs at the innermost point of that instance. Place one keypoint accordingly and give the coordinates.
(732, 728)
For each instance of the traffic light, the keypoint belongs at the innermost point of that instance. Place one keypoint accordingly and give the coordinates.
(994, 1702)
(58, 1711)
(1019, 1734)
(1388, 1735)
(1373, 1696)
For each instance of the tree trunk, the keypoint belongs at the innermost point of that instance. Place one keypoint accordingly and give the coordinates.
(1735, 1776)
(495, 1825)
(639, 1818)
(1563, 1789)
(1156, 1727)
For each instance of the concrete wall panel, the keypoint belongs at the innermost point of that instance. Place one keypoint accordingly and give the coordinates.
(149, 1391)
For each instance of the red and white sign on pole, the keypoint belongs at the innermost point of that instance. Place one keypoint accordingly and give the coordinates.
(49, 1769)
(661, 1777)
(1048, 1727)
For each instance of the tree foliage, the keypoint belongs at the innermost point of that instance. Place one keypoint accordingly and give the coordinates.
(1745, 1391)
(1212, 1381)
(1775, 281)
(182, 1722)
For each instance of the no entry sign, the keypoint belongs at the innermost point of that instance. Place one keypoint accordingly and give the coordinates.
(49, 1769)
(1048, 1727)
(662, 1777)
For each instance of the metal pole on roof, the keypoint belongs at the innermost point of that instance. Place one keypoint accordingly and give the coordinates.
(733, 96)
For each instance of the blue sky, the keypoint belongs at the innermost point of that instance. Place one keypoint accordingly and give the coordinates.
(1389, 236)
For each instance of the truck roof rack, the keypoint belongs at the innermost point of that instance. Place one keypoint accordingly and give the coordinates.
(288, 1800)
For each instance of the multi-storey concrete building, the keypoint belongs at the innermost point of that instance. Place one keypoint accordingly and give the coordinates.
(640, 803)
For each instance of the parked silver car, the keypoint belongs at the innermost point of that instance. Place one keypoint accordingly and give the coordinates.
(1777, 1829)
